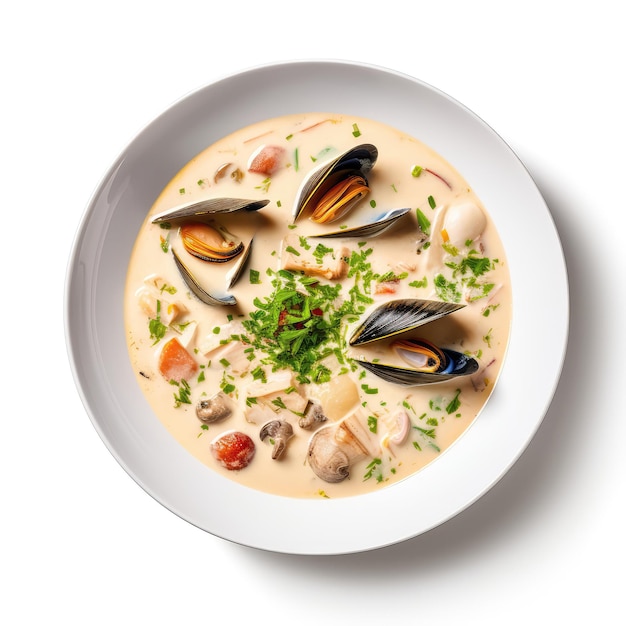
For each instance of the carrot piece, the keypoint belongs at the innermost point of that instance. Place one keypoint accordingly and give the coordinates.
(175, 363)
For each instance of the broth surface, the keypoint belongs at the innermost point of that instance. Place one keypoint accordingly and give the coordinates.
(445, 248)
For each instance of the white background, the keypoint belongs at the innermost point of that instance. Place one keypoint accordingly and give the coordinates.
(81, 543)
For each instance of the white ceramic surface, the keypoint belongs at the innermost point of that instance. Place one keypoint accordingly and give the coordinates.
(122, 417)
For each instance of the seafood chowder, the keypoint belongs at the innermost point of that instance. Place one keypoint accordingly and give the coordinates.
(317, 306)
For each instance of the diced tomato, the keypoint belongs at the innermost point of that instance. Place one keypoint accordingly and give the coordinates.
(175, 363)
(387, 287)
(267, 160)
(234, 450)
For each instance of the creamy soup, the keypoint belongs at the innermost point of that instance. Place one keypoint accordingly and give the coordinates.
(269, 385)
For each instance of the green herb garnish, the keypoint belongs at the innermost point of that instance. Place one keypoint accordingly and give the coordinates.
(184, 393)
(255, 277)
(156, 327)
(423, 222)
(454, 404)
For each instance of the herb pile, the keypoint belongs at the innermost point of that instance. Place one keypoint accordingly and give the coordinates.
(303, 322)
(300, 325)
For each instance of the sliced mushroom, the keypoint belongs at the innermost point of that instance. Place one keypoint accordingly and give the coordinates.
(213, 409)
(313, 416)
(279, 432)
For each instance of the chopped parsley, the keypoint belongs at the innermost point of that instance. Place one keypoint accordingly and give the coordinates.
(388, 277)
(265, 185)
(301, 323)
(454, 404)
(468, 270)
(447, 290)
(321, 251)
(156, 327)
(369, 390)
(423, 222)
(372, 423)
(371, 468)
(184, 393)
(419, 283)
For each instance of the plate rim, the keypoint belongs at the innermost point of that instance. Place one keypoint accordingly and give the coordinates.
(79, 317)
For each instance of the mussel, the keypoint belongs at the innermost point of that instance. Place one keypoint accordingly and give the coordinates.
(398, 316)
(336, 186)
(197, 289)
(235, 273)
(209, 242)
(459, 365)
(208, 206)
(426, 363)
(377, 226)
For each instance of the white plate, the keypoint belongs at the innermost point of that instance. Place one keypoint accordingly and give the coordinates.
(95, 327)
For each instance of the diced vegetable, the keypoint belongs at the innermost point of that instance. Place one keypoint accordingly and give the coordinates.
(175, 363)
(233, 450)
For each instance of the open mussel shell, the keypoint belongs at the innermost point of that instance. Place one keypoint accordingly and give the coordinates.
(456, 364)
(337, 185)
(397, 316)
(207, 207)
(197, 289)
(340, 196)
(235, 273)
(376, 227)
(208, 242)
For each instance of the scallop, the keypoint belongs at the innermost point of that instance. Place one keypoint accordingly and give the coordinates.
(463, 223)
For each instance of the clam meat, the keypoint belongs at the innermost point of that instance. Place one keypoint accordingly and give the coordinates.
(334, 449)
